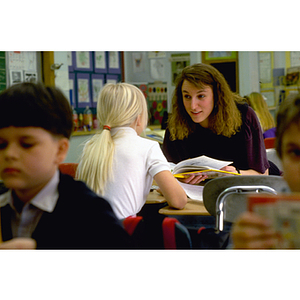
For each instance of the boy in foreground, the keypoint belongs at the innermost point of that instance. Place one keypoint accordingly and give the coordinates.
(41, 203)
(252, 231)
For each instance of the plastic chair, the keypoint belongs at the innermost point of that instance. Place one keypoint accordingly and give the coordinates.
(68, 168)
(175, 235)
(226, 197)
(135, 227)
(270, 142)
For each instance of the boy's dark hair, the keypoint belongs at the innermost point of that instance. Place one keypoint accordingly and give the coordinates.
(34, 105)
(288, 113)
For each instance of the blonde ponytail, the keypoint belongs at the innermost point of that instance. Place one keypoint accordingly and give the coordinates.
(96, 162)
(119, 105)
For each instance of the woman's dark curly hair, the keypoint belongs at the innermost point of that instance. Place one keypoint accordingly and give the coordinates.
(225, 118)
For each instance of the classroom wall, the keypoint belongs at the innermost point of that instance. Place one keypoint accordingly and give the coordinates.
(62, 74)
(248, 70)
(249, 79)
(132, 77)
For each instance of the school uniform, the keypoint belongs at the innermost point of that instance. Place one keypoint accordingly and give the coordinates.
(136, 161)
(72, 217)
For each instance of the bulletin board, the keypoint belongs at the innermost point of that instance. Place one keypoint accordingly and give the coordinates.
(22, 67)
(89, 71)
(156, 96)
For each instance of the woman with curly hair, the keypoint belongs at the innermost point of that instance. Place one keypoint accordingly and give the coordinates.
(120, 165)
(209, 119)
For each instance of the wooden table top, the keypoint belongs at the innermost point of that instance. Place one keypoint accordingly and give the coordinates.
(192, 208)
(155, 197)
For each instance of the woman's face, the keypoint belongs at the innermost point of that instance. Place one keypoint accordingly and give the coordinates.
(291, 157)
(198, 102)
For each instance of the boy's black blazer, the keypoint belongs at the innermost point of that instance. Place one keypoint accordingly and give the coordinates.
(80, 220)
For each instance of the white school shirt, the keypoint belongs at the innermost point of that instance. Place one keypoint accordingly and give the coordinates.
(136, 161)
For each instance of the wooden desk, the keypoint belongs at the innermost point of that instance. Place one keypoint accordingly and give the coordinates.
(193, 215)
(192, 208)
(155, 197)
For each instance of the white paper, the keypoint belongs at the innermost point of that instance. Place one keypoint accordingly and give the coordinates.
(100, 59)
(157, 68)
(114, 60)
(295, 58)
(265, 67)
(193, 191)
(203, 161)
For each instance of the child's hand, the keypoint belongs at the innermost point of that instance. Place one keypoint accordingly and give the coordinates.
(193, 178)
(19, 243)
(252, 231)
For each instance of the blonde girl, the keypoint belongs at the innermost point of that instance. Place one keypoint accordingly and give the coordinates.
(120, 165)
(259, 105)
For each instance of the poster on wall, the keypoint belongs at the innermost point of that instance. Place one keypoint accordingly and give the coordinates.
(83, 61)
(179, 62)
(157, 69)
(30, 76)
(100, 62)
(265, 67)
(83, 90)
(295, 58)
(97, 85)
(16, 76)
(16, 60)
(138, 61)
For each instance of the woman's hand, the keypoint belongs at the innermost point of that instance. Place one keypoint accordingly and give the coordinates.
(252, 231)
(193, 178)
(229, 169)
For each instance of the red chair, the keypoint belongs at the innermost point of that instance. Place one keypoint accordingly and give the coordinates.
(135, 227)
(130, 224)
(270, 142)
(68, 168)
(175, 235)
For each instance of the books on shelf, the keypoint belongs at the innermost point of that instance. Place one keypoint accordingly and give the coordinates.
(201, 165)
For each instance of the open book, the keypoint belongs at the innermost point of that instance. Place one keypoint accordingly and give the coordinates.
(201, 164)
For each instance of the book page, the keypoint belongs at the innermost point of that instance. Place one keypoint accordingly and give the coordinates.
(194, 192)
(201, 161)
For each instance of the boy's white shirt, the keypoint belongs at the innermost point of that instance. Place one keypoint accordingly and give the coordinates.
(24, 224)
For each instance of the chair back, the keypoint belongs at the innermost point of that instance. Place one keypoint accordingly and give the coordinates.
(68, 168)
(270, 142)
(226, 197)
(175, 235)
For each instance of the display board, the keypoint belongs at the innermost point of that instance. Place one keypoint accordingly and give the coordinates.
(89, 71)
(156, 96)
